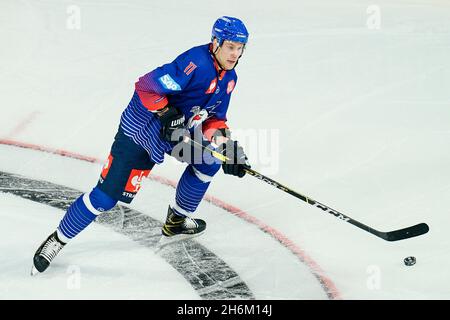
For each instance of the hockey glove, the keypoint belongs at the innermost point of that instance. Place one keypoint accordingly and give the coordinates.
(171, 120)
(237, 162)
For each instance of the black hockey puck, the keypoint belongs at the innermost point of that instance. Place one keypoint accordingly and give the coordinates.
(410, 261)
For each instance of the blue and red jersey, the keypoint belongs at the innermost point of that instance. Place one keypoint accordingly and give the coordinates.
(193, 83)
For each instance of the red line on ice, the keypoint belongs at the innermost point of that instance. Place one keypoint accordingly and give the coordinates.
(326, 283)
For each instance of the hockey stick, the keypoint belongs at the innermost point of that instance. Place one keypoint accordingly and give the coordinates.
(395, 235)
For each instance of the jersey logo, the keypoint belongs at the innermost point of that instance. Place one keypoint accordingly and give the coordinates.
(211, 109)
(212, 86)
(135, 180)
(106, 167)
(230, 86)
(199, 116)
(168, 83)
(191, 67)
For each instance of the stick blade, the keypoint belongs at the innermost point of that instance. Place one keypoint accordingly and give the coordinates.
(405, 233)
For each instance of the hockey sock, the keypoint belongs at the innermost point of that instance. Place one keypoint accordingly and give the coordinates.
(190, 191)
(82, 212)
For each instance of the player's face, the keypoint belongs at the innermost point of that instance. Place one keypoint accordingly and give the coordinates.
(229, 53)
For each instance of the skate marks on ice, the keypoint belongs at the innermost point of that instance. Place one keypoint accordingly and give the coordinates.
(210, 276)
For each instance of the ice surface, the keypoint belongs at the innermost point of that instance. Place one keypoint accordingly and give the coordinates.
(361, 117)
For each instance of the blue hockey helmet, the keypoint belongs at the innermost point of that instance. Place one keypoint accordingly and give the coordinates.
(229, 28)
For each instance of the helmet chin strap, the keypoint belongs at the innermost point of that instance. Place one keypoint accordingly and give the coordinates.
(217, 60)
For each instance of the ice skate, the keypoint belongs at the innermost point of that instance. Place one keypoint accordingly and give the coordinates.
(178, 228)
(46, 253)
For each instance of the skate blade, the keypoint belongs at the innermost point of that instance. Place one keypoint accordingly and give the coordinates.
(165, 241)
(34, 271)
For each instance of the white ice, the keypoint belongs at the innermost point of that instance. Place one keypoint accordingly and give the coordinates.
(359, 116)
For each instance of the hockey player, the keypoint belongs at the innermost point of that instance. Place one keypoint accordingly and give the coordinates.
(189, 93)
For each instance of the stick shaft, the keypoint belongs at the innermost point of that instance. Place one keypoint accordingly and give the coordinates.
(395, 235)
